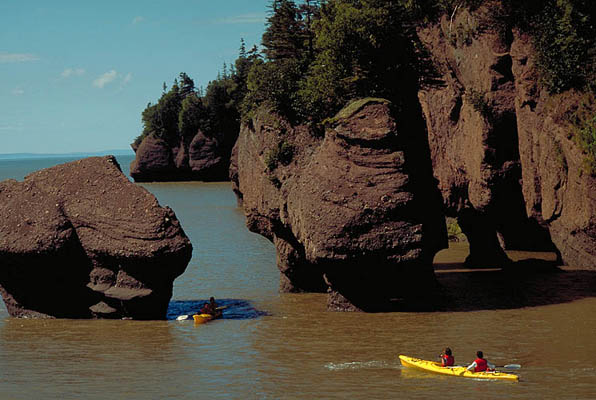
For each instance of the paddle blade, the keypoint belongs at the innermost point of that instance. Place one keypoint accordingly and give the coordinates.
(182, 317)
(512, 366)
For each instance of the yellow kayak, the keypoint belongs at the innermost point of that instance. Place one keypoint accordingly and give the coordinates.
(437, 368)
(202, 318)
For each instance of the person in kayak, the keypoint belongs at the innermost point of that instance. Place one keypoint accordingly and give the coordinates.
(211, 308)
(480, 364)
(447, 359)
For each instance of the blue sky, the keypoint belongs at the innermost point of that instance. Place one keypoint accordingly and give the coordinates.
(76, 75)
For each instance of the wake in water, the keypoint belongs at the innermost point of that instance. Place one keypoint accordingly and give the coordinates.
(362, 365)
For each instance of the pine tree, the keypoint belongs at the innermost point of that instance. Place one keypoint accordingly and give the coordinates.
(309, 12)
(283, 37)
(364, 48)
(193, 116)
(242, 50)
(225, 71)
(187, 85)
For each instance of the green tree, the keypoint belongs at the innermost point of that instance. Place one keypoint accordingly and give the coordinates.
(193, 116)
(161, 119)
(364, 48)
(243, 65)
(187, 85)
(223, 111)
(566, 39)
(273, 85)
(289, 50)
(309, 12)
(283, 37)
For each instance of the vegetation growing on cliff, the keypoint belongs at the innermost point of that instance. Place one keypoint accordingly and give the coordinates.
(274, 82)
(183, 110)
(282, 153)
(479, 102)
(363, 49)
(583, 122)
(564, 33)
(319, 55)
(454, 232)
(564, 36)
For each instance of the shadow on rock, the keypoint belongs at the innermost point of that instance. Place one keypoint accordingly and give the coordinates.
(234, 308)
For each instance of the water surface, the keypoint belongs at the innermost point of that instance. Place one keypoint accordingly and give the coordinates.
(272, 346)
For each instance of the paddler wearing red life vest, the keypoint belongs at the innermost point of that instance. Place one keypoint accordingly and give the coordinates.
(480, 364)
(447, 359)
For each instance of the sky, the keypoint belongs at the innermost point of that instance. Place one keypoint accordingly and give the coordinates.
(75, 75)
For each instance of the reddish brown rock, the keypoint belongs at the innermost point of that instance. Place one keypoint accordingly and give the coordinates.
(154, 161)
(557, 192)
(497, 145)
(353, 213)
(203, 154)
(79, 241)
(472, 129)
(196, 158)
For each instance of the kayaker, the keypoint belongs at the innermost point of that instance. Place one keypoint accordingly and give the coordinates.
(480, 364)
(206, 309)
(211, 308)
(447, 359)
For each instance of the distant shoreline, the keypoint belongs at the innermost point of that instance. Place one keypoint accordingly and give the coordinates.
(24, 156)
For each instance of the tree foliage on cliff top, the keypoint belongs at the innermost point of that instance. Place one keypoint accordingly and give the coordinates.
(320, 56)
(182, 111)
(368, 48)
(564, 33)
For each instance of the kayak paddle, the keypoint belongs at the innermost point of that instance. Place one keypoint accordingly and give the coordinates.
(506, 366)
(510, 366)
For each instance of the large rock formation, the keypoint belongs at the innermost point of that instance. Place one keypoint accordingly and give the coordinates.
(355, 213)
(558, 193)
(201, 158)
(79, 240)
(507, 167)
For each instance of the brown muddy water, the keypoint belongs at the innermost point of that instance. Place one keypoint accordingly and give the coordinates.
(286, 346)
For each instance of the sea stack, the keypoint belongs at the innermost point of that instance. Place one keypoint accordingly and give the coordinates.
(200, 158)
(79, 240)
(355, 213)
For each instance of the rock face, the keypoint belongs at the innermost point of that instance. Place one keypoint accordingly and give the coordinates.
(557, 193)
(497, 146)
(200, 158)
(81, 241)
(355, 213)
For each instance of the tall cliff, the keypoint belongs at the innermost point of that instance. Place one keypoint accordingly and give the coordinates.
(356, 211)
(505, 159)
